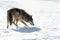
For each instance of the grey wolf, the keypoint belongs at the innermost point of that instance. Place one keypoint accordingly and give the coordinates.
(14, 15)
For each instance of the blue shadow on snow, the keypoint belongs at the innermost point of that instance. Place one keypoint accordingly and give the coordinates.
(27, 29)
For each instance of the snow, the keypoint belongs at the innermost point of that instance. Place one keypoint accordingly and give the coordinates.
(46, 16)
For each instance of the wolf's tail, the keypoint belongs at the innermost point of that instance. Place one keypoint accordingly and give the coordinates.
(10, 18)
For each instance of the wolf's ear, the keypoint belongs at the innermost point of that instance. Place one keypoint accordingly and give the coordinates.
(30, 15)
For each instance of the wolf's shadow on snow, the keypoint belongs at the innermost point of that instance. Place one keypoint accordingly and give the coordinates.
(27, 29)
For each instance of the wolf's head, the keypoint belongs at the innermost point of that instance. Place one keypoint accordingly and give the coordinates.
(30, 20)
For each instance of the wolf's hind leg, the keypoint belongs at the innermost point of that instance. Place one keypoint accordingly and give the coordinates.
(7, 24)
(7, 21)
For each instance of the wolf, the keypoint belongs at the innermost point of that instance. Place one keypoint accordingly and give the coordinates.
(14, 15)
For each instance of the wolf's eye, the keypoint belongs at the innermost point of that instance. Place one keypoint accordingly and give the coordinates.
(30, 19)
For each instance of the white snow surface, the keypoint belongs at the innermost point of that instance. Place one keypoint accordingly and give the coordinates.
(46, 17)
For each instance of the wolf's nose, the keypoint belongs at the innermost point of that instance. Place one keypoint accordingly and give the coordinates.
(33, 24)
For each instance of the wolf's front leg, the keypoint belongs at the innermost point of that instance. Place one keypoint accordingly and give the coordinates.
(24, 23)
(15, 23)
